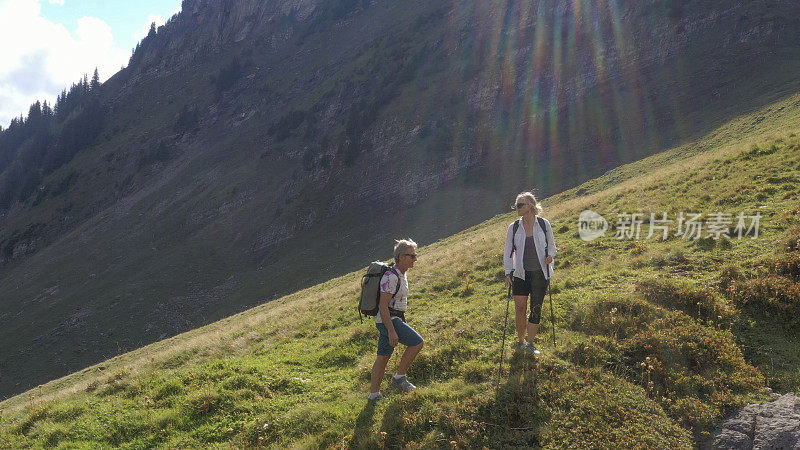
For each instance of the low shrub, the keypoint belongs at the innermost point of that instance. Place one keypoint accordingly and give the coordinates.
(670, 258)
(677, 359)
(791, 243)
(636, 247)
(727, 276)
(706, 243)
(599, 410)
(787, 266)
(702, 303)
(204, 403)
(615, 318)
(595, 351)
(248, 382)
(30, 420)
(773, 296)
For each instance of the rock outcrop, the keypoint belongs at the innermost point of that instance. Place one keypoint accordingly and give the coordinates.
(773, 425)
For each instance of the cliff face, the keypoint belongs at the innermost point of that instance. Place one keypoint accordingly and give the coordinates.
(208, 27)
(254, 147)
(558, 58)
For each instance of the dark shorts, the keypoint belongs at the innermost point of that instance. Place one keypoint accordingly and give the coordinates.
(407, 336)
(535, 285)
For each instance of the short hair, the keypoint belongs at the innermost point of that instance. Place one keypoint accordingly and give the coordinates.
(530, 198)
(402, 246)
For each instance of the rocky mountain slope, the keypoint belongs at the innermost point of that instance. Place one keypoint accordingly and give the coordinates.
(253, 148)
(658, 338)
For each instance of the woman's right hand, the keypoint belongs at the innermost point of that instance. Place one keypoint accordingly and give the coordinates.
(508, 281)
(393, 339)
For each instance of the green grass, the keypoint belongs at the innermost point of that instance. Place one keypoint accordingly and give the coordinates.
(657, 339)
(129, 245)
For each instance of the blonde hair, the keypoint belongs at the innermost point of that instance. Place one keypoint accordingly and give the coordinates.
(402, 246)
(531, 199)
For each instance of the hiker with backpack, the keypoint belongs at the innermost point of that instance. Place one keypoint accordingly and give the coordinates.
(528, 262)
(390, 316)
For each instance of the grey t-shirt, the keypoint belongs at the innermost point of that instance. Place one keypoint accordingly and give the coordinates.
(530, 258)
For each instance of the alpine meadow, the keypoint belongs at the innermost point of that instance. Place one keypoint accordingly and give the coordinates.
(182, 245)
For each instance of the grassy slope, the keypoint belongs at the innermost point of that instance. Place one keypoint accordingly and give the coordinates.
(144, 265)
(294, 371)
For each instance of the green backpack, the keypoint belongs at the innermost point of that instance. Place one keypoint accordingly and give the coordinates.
(371, 288)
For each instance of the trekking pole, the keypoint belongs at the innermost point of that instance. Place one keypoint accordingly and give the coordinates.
(552, 316)
(505, 327)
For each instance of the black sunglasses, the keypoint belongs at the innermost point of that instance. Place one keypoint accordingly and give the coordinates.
(520, 205)
(412, 255)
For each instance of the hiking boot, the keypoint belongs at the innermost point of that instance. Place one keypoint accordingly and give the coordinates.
(520, 347)
(379, 396)
(403, 384)
(530, 348)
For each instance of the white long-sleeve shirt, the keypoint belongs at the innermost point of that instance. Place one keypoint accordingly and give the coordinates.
(515, 262)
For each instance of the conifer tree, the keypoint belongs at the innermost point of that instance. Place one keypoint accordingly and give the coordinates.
(95, 81)
(46, 110)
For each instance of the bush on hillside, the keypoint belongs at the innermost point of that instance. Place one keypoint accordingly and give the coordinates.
(773, 296)
(787, 266)
(596, 351)
(227, 75)
(696, 372)
(670, 258)
(791, 243)
(160, 153)
(703, 303)
(617, 318)
(727, 276)
(595, 407)
(283, 128)
(187, 120)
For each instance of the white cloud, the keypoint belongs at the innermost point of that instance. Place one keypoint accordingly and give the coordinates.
(142, 32)
(39, 57)
(158, 19)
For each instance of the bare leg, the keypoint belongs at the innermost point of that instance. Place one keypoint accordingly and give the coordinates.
(408, 357)
(533, 328)
(521, 316)
(378, 369)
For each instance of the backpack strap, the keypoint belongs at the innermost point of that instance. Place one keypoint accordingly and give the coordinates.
(398, 280)
(513, 234)
(544, 229)
(392, 310)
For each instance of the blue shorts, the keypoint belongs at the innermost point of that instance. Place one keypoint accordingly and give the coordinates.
(407, 336)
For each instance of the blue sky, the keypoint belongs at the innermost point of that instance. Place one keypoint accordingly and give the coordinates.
(126, 18)
(46, 45)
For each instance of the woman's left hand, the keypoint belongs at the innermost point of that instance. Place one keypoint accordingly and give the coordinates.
(548, 259)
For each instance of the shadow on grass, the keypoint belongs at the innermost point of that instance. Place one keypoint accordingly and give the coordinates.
(772, 348)
(362, 433)
(508, 415)
(514, 415)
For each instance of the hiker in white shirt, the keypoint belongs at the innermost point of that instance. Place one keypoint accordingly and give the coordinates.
(391, 321)
(528, 269)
